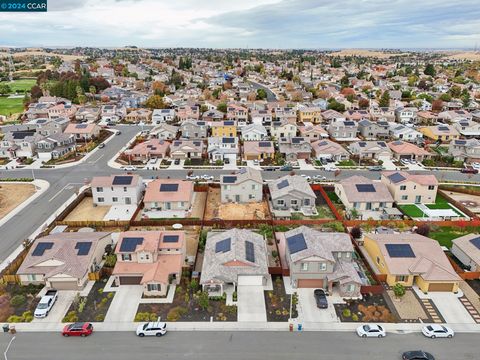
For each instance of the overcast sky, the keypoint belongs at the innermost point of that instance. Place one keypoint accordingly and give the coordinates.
(248, 23)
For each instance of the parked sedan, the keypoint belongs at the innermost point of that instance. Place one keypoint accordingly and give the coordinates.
(469, 171)
(152, 329)
(207, 177)
(434, 331)
(371, 330)
(78, 329)
(193, 177)
(129, 168)
(321, 298)
(417, 355)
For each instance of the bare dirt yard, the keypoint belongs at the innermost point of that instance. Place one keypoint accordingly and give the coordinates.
(232, 211)
(85, 211)
(12, 195)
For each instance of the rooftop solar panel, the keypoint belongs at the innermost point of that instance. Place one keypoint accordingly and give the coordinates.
(122, 180)
(322, 143)
(362, 144)
(382, 144)
(282, 184)
(296, 140)
(177, 143)
(228, 123)
(81, 126)
(396, 178)
(397, 142)
(349, 123)
(228, 140)
(83, 247)
(170, 238)
(229, 179)
(223, 245)
(129, 244)
(41, 247)
(249, 251)
(443, 128)
(296, 243)
(399, 250)
(460, 142)
(168, 187)
(201, 123)
(264, 144)
(365, 188)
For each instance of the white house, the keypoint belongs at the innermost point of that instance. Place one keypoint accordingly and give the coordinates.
(117, 190)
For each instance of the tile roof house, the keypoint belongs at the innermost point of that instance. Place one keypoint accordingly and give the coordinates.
(168, 194)
(193, 129)
(321, 260)
(254, 132)
(261, 117)
(283, 129)
(312, 132)
(409, 188)
(83, 132)
(373, 130)
(465, 150)
(62, 261)
(295, 148)
(153, 259)
(377, 150)
(343, 130)
(187, 149)
(237, 113)
(258, 150)
(310, 114)
(223, 149)
(292, 193)
(117, 189)
(402, 132)
(442, 132)
(139, 116)
(21, 143)
(411, 259)
(55, 146)
(406, 150)
(150, 149)
(233, 257)
(243, 186)
(468, 129)
(188, 112)
(467, 250)
(164, 131)
(327, 149)
(226, 128)
(160, 116)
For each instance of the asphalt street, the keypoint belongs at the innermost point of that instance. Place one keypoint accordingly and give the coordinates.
(65, 181)
(233, 346)
(270, 95)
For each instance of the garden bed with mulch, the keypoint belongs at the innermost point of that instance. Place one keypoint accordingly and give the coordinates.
(189, 304)
(94, 307)
(18, 303)
(277, 302)
(373, 308)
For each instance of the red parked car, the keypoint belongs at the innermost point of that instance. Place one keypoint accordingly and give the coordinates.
(78, 329)
(469, 171)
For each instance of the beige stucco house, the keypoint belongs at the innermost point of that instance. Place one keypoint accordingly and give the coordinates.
(410, 188)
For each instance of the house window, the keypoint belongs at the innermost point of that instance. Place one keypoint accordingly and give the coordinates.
(154, 287)
(126, 257)
(251, 196)
(280, 202)
(306, 202)
(347, 255)
(378, 260)
(431, 187)
(99, 189)
(404, 197)
(322, 266)
(100, 199)
(403, 187)
(402, 278)
(32, 277)
(382, 205)
(124, 189)
(304, 266)
(114, 199)
(147, 257)
(254, 187)
(293, 202)
(339, 255)
(350, 288)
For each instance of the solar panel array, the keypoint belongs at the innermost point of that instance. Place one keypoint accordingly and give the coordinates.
(382, 144)
(396, 178)
(460, 142)
(81, 126)
(129, 244)
(168, 187)
(476, 242)
(443, 128)
(249, 251)
(83, 247)
(400, 251)
(264, 144)
(122, 180)
(223, 245)
(229, 179)
(228, 123)
(362, 144)
(282, 184)
(296, 243)
(177, 143)
(349, 123)
(365, 188)
(41, 247)
(228, 140)
(170, 238)
(197, 143)
(397, 142)
(322, 143)
(296, 140)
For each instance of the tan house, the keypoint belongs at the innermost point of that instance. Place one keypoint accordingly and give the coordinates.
(310, 114)
(406, 150)
(153, 259)
(83, 132)
(257, 150)
(168, 194)
(139, 115)
(150, 149)
(467, 250)
(411, 188)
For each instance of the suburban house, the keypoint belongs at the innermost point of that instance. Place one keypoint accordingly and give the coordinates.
(153, 259)
(357, 115)
(112, 113)
(285, 114)
(321, 260)
(409, 188)
(362, 194)
(402, 132)
(261, 117)
(237, 113)
(258, 150)
(467, 250)
(292, 193)
(150, 149)
(188, 112)
(283, 129)
(382, 114)
(63, 261)
(411, 259)
(465, 150)
(160, 116)
(406, 150)
(164, 131)
(193, 129)
(55, 146)
(453, 116)
(223, 149)
(233, 257)
(168, 195)
(187, 149)
(87, 114)
(243, 186)
(406, 115)
(468, 129)
(62, 110)
(83, 132)
(295, 148)
(343, 130)
(327, 149)
(213, 115)
(139, 116)
(441, 132)
(226, 128)
(312, 132)
(310, 114)
(20, 144)
(330, 116)
(426, 118)
(254, 132)
(377, 150)
(373, 130)
(117, 189)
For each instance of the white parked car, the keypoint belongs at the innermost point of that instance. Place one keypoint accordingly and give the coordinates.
(152, 329)
(207, 177)
(129, 168)
(371, 330)
(330, 168)
(306, 177)
(476, 165)
(193, 177)
(434, 331)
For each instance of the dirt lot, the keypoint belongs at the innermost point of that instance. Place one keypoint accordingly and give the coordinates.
(231, 211)
(86, 211)
(471, 202)
(198, 204)
(12, 195)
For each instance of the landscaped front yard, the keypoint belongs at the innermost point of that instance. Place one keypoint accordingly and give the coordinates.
(373, 308)
(17, 303)
(277, 302)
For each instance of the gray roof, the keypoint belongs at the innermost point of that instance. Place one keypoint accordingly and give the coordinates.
(294, 183)
(351, 190)
(247, 173)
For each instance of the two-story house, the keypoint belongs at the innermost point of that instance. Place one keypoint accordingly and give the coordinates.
(160, 116)
(223, 149)
(411, 188)
(237, 113)
(467, 150)
(244, 186)
(442, 132)
(310, 114)
(55, 146)
(169, 195)
(295, 148)
(193, 129)
(254, 132)
(226, 128)
(373, 130)
(377, 150)
(117, 190)
(292, 193)
(343, 130)
(187, 149)
(283, 129)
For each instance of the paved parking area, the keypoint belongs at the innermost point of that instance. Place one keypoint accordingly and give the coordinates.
(125, 303)
(309, 310)
(251, 303)
(64, 300)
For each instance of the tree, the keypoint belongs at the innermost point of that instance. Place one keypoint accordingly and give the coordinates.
(222, 107)
(385, 99)
(363, 103)
(423, 229)
(437, 105)
(446, 97)
(399, 290)
(203, 300)
(335, 105)
(356, 232)
(5, 89)
(155, 102)
(455, 91)
(429, 70)
(36, 92)
(261, 94)
(159, 88)
(466, 99)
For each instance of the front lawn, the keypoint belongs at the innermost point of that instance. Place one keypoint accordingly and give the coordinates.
(412, 211)
(444, 235)
(346, 163)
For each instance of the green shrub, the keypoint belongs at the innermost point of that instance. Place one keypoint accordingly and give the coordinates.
(346, 313)
(71, 317)
(100, 317)
(110, 260)
(354, 317)
(193, 286)
(18, 300)
(110, 295)
(14, 319)
(142, 316)
(175, 313)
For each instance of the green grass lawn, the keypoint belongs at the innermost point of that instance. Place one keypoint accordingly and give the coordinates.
(411, 210)
(445, 235)
(10, 106)
(440, 203)
(346, 163)
(21, 85)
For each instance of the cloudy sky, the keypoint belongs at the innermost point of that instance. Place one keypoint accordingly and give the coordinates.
(248, 23)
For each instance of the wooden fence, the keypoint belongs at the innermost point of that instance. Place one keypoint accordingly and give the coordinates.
(372, 289)
(458, 205)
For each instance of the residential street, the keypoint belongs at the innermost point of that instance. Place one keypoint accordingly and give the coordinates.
(234, 345)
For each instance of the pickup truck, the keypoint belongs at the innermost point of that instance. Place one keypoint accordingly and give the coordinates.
(46, 304)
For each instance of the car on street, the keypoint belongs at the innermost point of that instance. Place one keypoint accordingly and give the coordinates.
(321, 298)
(46, 303)
(476, 165)
(207, 177)
(256, 162)
(193, 177)
(286, 168)
(437, 331)
(177, 162)
(469, 170)
(78, 329)
(371, 330)
(101, 145)
(118, 132)
(269, 169)
(375, 168)
(129, 168)
(306, 177)
(152, 329)
(331, 168)
(417, 355)
(319, 178)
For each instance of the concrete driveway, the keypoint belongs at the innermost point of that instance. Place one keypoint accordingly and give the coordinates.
(64, 300)
(451, 307)
(251, 303)
(309, 310)
(125, 303)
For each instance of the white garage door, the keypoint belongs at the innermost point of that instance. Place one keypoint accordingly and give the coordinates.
(384, 157)
(250, 280)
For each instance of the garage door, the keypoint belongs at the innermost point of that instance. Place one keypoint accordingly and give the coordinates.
(130, 280)
(310, 283)
(440, 287)
(250, 280)
(64, 285)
